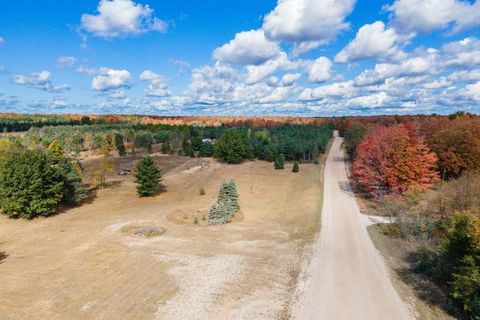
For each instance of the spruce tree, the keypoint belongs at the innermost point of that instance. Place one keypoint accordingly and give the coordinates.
(296, 167)
(148, 177)
(218, 214)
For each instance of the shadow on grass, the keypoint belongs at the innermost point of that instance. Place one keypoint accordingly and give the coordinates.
(3, 256)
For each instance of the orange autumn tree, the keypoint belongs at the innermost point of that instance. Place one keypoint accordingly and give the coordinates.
(391, 160)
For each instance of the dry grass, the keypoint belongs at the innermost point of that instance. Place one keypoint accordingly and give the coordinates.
(82, 264)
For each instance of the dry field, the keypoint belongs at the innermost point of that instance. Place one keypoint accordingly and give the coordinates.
(90, 262)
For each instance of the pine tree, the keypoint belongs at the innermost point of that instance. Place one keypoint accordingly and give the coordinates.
(227, 204)
(73, 190)
(279, 162)
(30, 184)
(296, 167)
(119, 144)
(148, 177)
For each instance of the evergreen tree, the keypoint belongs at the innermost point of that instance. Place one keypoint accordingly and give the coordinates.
(296, 167)
(165, 148)
(56, 150)
(279, 163)
(30, 184)
(227, 204)
(148, 177)
(206, 149)
(85, 120)
(217, 214)
(119, 144)
(73, 190)
(187, 149)
(232, 147)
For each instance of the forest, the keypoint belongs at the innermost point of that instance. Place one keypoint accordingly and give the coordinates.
(425, 172)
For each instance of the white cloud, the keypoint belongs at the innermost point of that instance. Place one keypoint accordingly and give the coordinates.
(247, 48)
(108, 79)
(337, 89)
(472, 75)
(157, 84)
(370, 101)
(260, 72)
(463, 53)
(39, 80)
(2, 40)
(438, 83)
(117, 94)
(431, 15)
(289, 79)
(373, 41)
(319, 71)
(307, 23)
(118, 18)
(473, 90)
(66, 62)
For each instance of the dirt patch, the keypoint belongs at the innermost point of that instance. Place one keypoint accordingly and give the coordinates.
(145, 230)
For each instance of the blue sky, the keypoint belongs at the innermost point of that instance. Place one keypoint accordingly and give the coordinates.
(249, 57)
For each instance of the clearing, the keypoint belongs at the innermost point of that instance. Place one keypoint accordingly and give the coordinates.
(124, 257)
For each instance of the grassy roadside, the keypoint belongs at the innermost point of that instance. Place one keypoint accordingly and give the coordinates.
(412, 287)
(308, 234)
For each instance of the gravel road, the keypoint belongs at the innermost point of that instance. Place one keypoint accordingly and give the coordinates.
(346, 277)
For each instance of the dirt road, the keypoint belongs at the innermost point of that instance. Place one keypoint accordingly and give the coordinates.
(346, 277)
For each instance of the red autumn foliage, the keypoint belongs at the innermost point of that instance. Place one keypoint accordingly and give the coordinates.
(391, 160)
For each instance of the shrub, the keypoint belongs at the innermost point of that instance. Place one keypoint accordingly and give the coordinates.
(279, 163)
(202, 191)
(296, 167)
(148, 177)
(165, 148)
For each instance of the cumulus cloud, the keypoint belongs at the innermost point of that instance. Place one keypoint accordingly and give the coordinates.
(319, 71)
(307, 23)
(108, 79)
(120, 18)
(373, 41)
(431, 15)
(157, 84)
(473, 90)
(39, 80)
(256, 73)
(247, 48)
(463, 53)
(66, 62)
(337, 89)
(370, 101)
(182, 65)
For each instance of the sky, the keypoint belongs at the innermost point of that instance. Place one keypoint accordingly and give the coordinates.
(249, 57)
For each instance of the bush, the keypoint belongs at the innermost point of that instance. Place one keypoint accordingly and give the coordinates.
(148, 177)
(232, 147)
(279, 162)
(296, 167)
(202, 192)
